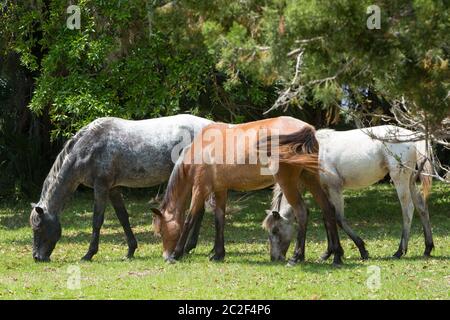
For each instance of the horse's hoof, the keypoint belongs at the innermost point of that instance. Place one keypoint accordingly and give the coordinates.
(171, 260)
(427, 252)
(86, 258)
(397, 255)
(293, 261)
(365, 256)
(428, 249)
(128, 257)
(177, 255)
(290, 264)
(217, 258)
(41, 260)
(325, 256)
(189, 249)
(337, 261)
(130, 253)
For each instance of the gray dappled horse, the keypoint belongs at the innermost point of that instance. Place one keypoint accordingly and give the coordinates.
(104, 155)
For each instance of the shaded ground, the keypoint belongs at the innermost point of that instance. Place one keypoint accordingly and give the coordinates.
(247, 273)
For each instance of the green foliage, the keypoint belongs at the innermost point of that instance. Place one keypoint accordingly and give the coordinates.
(407, 57)
(223, 59)
(140, 59)
(19, 157)
(133, 59)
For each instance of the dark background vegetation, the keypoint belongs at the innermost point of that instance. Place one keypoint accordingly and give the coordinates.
(225, 60)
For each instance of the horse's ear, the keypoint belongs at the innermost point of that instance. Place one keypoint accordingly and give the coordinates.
(276, 215)
(36, 217)
(156, 212)
(39, 210)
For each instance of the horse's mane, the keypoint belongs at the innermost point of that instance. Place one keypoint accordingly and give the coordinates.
(277, 205)
(65, 156)
(174, 180)
(276, 198)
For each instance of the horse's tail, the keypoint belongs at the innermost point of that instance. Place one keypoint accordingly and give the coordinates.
(423, 154)
(300, 148)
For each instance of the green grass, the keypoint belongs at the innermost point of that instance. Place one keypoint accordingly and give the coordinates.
(246, 273)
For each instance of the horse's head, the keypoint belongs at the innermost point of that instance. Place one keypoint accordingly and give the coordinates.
(281, 231)
(46, 233)
(168, 228)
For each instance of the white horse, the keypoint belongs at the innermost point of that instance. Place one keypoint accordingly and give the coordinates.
(353, 160)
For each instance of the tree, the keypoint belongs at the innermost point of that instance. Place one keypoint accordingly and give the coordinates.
(230, 60)
(319, 51)
(132, 59)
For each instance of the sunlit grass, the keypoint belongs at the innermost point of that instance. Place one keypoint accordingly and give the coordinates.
(246, 273)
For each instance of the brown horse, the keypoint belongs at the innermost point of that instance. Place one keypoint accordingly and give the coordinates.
(201, 172)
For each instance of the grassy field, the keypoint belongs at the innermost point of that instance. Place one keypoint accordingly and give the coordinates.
(246, 273)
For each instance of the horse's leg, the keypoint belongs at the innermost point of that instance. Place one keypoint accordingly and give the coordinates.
(329, 250)
(194, 234)
(288, 183)
(100, 198)
(401, 180)
(421, 205)
(219, 215)
(301, 214)
(337, 199)
(119, 207)
(329, 216)
(197, 206)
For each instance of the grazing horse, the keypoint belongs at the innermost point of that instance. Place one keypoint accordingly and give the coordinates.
(356, 159)
(201, 172)
(106, 154)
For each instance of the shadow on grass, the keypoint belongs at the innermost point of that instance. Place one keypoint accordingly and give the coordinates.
(82, 237)
(412, 258)
(309, 265)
